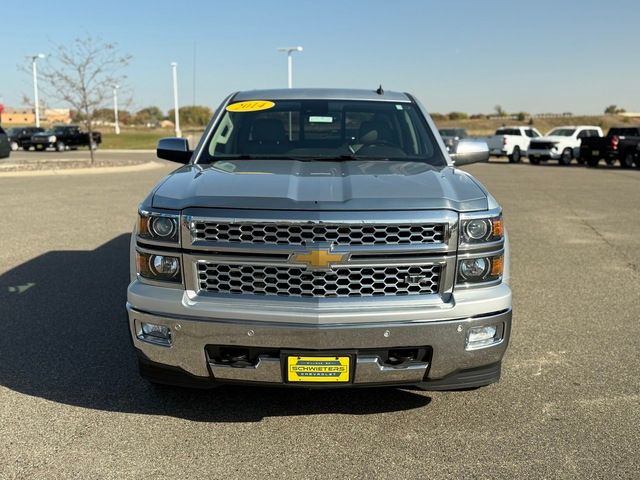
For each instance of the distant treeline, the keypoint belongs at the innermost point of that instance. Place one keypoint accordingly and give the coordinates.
(195, 115)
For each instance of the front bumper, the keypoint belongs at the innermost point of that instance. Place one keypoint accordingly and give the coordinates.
(449, 364)
(544, 154)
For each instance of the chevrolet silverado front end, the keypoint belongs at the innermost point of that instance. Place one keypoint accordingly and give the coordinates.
(320, 238)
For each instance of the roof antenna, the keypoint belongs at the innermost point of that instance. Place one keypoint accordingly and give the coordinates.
(380, 91)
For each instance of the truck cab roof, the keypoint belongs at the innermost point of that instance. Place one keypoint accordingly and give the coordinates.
(321, 94)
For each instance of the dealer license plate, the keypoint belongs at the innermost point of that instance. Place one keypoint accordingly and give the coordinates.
(318, 369)
(595, 152)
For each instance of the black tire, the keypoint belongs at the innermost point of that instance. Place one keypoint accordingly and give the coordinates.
(580, 160)
(534, 161)
(60, 146)
(566, 157)
(626, 160)
(516, 156)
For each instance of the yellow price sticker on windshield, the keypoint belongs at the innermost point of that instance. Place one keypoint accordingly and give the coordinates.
(251, 106)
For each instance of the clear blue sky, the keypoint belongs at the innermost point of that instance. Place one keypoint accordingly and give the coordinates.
(536, 56)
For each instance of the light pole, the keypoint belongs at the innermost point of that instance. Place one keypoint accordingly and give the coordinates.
(115, 108)
(174, 68)
(289, 51)
(34, 58)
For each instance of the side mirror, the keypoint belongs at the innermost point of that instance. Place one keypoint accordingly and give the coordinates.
(174, 149)
(470, 151)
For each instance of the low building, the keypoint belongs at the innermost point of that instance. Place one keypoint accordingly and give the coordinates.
(27, 116)
(18, 116)
(57, 115)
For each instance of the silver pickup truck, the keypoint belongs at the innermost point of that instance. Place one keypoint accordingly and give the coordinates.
(320, 238)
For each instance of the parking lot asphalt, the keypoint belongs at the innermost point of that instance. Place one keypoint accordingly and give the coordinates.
(568, 405)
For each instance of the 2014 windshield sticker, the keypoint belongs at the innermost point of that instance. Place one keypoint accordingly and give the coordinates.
(251, 106)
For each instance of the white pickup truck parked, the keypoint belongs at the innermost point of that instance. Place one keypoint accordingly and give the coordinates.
(511, 142)
(561, 143)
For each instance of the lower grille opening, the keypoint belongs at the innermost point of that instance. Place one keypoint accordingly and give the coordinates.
(241, 357)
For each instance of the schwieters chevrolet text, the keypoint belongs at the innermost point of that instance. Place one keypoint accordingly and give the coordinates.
(320, 238)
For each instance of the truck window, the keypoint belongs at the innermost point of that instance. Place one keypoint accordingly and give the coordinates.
(531, 133)
(317, 129)
(509, 131)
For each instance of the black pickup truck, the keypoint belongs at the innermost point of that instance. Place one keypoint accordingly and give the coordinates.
(64, 137)
(621, 143)
(20, 136)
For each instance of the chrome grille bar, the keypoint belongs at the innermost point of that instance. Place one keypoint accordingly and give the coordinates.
(291, 281)
(305, 233)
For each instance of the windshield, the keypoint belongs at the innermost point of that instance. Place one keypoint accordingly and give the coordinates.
(323, 130)
(53, 131)
(561, 132)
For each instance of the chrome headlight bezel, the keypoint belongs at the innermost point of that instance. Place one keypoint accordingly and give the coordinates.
(490, 275)
(149, 228)
(148, 273)
(489, 224)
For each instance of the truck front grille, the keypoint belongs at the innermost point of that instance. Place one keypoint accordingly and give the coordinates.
(541, 145)
(288, 281)
(305, 233)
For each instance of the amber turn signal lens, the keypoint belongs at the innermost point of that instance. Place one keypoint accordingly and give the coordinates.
(497, 228)
(143, 225)
(497, 265)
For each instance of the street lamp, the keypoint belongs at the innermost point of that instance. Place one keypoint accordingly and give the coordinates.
(34, 58)
(174, 68)
(115, 108)
(289, 51)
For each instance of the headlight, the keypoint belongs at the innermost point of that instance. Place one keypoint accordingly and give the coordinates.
(158, 226)
(479, 230)
(478, 270)
(52, 138)
(164, 268)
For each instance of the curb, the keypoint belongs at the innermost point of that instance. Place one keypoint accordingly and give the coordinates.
(82, 171)
(117, 150)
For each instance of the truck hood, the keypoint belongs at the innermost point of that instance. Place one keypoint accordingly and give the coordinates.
(552, 138)
(320, 185)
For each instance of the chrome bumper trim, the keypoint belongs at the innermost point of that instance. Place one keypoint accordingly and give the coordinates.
(370, 370)
(446, 337)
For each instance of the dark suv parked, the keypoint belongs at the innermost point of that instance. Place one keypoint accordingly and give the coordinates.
(64, 137)
(5, 150)
(19, 137)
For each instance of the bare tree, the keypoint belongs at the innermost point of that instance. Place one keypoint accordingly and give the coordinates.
(500, 111)
(83, 75)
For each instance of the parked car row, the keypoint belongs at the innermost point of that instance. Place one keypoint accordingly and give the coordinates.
(583, 143)
(60, 138)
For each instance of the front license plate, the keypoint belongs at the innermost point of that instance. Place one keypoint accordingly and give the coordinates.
(318, 369)
(595, 152)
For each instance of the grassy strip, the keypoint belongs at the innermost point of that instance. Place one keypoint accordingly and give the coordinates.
(137, 139)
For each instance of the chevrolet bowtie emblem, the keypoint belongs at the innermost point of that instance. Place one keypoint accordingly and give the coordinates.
(319, 259)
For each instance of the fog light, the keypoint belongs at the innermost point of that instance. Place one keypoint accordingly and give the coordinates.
(164, 266)
(473, 268)
(478, 337)
(154, 333)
